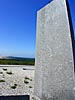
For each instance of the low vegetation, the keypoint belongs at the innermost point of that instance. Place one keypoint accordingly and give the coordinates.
(26, 81)
(1, 72)
(5, 69)
(18, 61)
(2, 80)
(27, 78)
(14, 86)
(30, 79)
(30, 86)
(10, 72)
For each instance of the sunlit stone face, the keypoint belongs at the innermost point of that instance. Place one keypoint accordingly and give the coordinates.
(54, 75)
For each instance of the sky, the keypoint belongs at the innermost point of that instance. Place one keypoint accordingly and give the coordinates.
(18, 26)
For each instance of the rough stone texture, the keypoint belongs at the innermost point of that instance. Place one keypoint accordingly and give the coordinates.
(54, 75)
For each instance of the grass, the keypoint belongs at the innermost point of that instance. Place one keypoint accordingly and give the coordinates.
(14, 86)
(1, 72)
(10, 72)
(32, 98)
(24, 68)
(26, 82)
(5, 69)
(30, 79)
(27, 78)
(2, 80)
(30, 86)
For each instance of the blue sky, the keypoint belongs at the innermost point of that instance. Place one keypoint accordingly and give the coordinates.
(18, 26)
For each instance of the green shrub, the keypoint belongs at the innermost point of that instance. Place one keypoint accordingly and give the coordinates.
(1, 72)
(14, 86)
(27, 78)
(5, 69)
(30, 86)
(26, 82)
(30, 79)
(10, 72)
(2, 80)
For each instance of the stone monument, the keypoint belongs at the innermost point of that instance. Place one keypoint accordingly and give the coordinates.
(54, 74)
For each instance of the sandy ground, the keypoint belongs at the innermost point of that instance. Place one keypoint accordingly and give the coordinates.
(24, 80)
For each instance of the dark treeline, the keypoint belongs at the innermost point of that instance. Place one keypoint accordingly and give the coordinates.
(18, 61)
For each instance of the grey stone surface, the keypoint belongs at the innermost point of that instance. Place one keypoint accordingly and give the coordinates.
(54, 74)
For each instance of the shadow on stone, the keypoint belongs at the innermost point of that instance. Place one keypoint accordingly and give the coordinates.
(63, 95)
(18, 97)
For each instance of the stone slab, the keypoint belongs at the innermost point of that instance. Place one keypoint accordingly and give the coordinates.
(19, 97)
(54, 74)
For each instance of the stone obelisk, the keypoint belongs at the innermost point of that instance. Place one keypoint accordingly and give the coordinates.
(54, 74)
